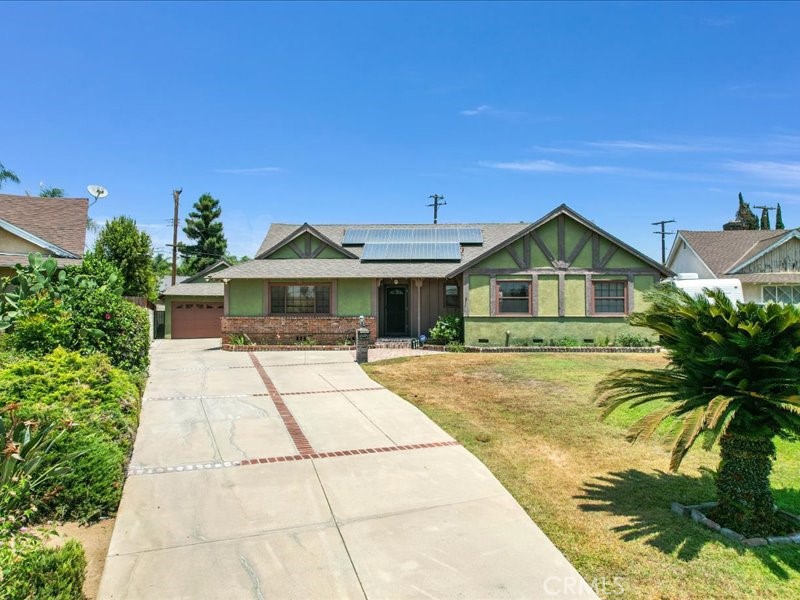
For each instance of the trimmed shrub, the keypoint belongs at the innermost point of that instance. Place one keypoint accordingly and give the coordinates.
(97, 405)
(28, 569)
(632, 340)
(449, 328)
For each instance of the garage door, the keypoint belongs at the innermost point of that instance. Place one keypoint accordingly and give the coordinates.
(196, 319)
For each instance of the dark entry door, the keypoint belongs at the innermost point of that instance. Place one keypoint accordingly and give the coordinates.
(395, 311)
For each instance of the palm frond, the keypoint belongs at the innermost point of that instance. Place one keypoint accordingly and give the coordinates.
(645, 427)
(692, 427)
(715, 410)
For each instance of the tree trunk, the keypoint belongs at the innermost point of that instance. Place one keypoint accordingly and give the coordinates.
(745, 502)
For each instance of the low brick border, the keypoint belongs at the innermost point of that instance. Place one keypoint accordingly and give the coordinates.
(438, 348)
(695, 512)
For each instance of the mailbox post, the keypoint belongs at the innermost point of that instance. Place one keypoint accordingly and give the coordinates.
(362, 341)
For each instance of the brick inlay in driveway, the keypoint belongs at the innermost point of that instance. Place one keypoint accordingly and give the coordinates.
(298, 437)
(367, 389)
(288, 458)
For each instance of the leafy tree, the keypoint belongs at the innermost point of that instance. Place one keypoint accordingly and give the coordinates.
(779, 218)
(161, 265)
(51, 192)
(764, 219)
(232, 259)
(122, 244)
(733, 379)
(6, 175)
(204, 229)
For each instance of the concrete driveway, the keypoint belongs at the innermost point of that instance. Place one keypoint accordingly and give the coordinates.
(294, 475)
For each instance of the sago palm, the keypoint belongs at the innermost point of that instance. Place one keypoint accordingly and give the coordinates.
(733, 378)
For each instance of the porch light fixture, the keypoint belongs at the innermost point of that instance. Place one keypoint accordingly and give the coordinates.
(395, 281)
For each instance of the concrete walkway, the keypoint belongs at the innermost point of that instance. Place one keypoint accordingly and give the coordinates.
(294, 475)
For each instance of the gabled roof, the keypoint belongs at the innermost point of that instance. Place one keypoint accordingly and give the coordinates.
(493, 234)
(566, 210)
(724, 251)
(61, 222)
(304, 228)
(201, 276)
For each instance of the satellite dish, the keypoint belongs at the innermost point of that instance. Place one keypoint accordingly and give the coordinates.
(98, 191)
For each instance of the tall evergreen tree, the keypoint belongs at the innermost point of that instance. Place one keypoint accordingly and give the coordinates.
(764, 219)
(779, 218)
(122, 244)
(745, 215)
(204, 229)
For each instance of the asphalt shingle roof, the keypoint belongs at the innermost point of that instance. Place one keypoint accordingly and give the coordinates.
(723, 250)
(213, 289)
(494, 234)
(60, 221)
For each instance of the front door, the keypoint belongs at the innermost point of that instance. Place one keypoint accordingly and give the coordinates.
(395, 310)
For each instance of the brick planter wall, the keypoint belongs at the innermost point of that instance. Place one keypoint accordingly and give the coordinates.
(283, 329)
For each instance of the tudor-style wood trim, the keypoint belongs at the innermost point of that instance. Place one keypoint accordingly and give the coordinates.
(307, 250)
(537, 239)
(526, 251)
(587, 235)
(595, 250)
(492, 296)
(319, 250)
(589, 295)
(629, 300)
(607, 256)
(562, 238)
(334, 298)
(226, 299)
(465, 294)
(265, 298)
(535, 295)
(562, 284)
(295, 248)
(515, 256)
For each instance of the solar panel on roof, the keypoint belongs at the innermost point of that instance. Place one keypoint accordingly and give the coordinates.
(357, 236)
(411, 251)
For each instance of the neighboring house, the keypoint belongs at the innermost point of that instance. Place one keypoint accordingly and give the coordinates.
(193, 306)
(767, 262)
(51, 226)
(560, 276)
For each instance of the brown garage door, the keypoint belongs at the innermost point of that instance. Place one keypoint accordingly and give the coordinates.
(196, 319)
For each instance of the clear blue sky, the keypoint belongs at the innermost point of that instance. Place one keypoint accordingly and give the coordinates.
(629, 113)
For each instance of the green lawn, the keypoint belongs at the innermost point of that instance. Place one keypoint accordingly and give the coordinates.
(603, 502)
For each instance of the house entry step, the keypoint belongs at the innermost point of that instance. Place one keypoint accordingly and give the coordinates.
(393, 342)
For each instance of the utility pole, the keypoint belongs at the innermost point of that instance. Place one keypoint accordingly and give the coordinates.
(764, 211)
(436, 204)
(176, 195)
(663, 235)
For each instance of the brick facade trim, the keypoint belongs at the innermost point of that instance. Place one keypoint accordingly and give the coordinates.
(290, 329)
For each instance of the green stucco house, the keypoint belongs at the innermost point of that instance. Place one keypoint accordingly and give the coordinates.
(559, 276)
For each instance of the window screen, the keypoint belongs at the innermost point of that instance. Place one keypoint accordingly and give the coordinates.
(609, 297)
(513, 297)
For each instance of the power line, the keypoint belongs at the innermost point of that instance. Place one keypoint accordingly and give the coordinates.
(663, 235)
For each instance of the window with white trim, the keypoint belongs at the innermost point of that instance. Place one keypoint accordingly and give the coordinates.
(785, 294)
